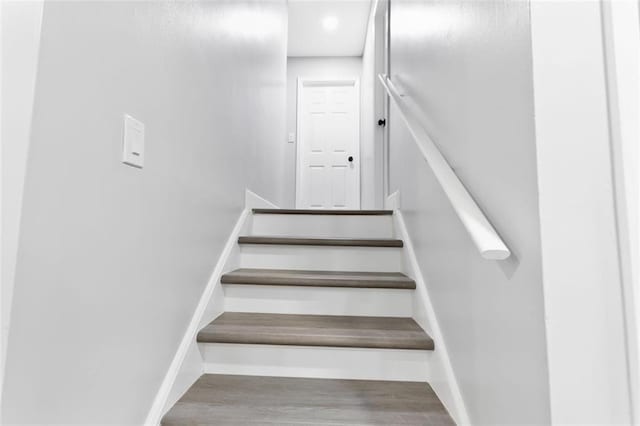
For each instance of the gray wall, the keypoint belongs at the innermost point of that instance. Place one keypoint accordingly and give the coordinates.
(311, 67)
(112, 260)
(581, 117)
(467, 65)
(20, 38)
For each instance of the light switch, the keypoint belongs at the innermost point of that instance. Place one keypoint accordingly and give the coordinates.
(292, 137)
(133, 142)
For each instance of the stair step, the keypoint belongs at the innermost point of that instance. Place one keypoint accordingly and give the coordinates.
(302, 278)
(322, 226)
(234, 400)
(325, 212)
(289, 299)
(302, 241)
(322, 362)
(316, 330)
(327, 258)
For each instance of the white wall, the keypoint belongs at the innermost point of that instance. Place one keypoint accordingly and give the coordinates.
(20, 26)
(467, 66)
(370, 132)
(589, 376)
(311, 67)
(621, 31)
(112, 260)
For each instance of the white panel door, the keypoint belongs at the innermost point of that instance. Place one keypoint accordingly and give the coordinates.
(328, 145)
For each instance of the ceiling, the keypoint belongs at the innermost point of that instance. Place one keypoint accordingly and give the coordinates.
(308, 36)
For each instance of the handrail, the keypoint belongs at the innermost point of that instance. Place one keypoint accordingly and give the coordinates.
(476, 223)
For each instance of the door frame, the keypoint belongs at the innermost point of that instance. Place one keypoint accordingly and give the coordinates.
(310, 81)
(381, 35)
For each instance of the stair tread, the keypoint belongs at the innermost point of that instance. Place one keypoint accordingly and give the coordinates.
(233, 400)
(292, 277)
(325, 212)
(316, 330)
(349, 242)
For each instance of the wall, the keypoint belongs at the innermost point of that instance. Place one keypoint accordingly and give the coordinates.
(324, 67)
(112, 260)
(370, 112)
(621, 32)
(467, 67)
(576, 133)
(20, 26)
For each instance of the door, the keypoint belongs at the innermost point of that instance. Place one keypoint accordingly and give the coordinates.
(328, 166)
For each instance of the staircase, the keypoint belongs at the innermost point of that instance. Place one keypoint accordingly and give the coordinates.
(317, 329)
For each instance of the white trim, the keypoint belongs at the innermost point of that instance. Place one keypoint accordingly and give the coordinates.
(393, 201)
(274, 299)
(323, 362)
(319, 258)
(157, 409)
(443, 379)
(311, 81)
(323, 226)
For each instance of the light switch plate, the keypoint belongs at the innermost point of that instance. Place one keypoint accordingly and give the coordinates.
(133, 142)
(292, 137)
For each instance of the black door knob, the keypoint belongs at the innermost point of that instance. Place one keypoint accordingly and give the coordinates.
(382, 122)
(350, 159)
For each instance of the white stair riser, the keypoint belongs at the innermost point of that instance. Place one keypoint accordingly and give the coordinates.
(318, 300)
(372, 259)
(323, 226)
(318, 362)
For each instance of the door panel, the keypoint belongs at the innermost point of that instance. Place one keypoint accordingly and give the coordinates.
(316, 136)
(338, 186)
(316, 186)
(328, 134)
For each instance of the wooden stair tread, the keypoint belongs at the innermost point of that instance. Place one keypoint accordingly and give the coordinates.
(316, 330)
(234, 400)
(291, 277)
(325, 212)
(305, 241)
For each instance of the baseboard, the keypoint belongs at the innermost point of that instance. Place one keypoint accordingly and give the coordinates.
(210, 301)
(442, 377)
(188, 373)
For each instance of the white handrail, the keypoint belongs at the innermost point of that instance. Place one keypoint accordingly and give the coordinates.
(478, 226)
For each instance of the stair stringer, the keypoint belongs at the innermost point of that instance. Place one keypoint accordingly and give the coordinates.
(187, 364)
(442, 377)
